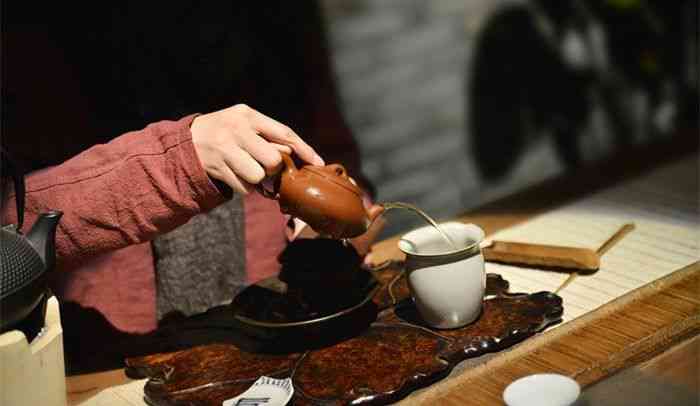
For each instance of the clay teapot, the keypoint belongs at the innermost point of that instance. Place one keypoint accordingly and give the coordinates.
(322, 196)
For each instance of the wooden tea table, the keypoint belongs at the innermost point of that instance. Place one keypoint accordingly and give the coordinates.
(642, 347)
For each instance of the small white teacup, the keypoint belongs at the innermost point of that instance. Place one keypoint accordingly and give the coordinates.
(447, 284)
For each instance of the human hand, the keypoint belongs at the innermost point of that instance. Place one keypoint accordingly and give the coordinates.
(241, 146)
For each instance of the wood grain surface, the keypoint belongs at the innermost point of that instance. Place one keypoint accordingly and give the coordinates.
(549, 256)
(396, 355)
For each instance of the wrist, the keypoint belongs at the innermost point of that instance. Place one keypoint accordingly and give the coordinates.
(225, 190)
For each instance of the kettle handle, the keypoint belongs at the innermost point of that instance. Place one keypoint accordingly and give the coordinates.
(18, 183)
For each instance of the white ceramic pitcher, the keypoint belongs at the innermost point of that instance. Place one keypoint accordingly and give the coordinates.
(447, 284)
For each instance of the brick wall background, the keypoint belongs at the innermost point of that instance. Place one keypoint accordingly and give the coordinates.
(401, 69)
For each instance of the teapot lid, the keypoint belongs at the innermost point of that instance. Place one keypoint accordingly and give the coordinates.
(334, 174)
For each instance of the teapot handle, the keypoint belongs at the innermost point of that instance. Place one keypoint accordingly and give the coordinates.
(270, 194)
(289, 167)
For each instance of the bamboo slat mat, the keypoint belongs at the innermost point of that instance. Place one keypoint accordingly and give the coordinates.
(663, 206)
(622, 333)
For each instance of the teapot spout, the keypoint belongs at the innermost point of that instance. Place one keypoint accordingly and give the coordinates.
(43, 236)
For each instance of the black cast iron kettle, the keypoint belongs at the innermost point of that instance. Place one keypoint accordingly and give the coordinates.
(25, 261)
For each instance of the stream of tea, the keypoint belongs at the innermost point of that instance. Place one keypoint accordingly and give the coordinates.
(424, 215)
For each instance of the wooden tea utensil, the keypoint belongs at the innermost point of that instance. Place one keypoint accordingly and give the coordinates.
(567, 258)
(571, 259)
(623, 231)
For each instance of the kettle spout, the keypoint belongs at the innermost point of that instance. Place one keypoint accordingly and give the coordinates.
(43, 236)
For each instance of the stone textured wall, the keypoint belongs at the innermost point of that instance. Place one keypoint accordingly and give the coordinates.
(401, 67)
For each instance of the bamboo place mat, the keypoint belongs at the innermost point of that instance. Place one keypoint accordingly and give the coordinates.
(622, 333)
(663, 206)
(651, 274)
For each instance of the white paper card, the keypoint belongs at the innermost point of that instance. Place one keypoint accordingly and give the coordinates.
(265, 391)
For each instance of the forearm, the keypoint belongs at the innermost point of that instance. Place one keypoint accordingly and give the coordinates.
(139, 185)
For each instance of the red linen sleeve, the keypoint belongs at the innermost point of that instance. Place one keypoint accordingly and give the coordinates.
(141, 184)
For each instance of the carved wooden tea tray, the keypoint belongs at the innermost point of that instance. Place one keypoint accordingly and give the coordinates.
(381, 363)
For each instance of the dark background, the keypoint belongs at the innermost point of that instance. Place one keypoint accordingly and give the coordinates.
(452, 103)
